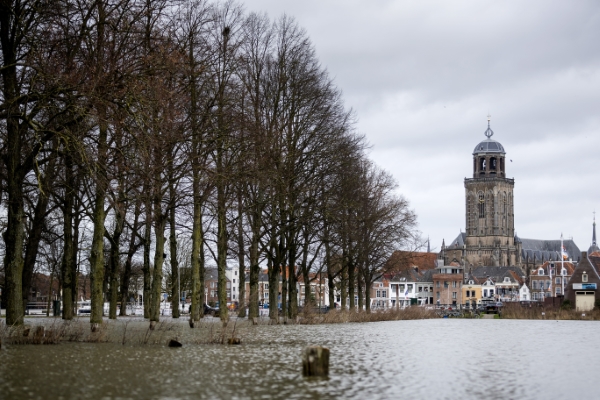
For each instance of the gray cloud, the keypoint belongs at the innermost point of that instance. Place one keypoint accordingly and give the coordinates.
(422, 77)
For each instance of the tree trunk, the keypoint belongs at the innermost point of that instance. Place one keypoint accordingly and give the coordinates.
(67, 272)
(273, 270)
(241, 267)
(98, 217)
(128, 262)
(146, 267)
(115, 259)
(175, 295)
(37, 225)
(254, 275)
(351, 286)
(159, 253)
(197, 256)
(360, 292)
(222, 251)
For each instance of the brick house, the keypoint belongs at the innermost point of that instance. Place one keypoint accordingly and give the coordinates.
(582, 289)
(548, 279)
(210, 287)
(447, 284)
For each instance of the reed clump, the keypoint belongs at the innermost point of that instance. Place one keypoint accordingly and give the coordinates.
(128, 331)
(310, 317)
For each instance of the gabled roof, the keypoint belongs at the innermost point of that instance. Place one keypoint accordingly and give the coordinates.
(427, 276)
(497, 274)
(547, 250)
(595, 261)
(459, 241)
(409, 275)
(405, 260)
(569, 266)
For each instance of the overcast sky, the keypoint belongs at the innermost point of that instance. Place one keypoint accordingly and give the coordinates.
(423, 75)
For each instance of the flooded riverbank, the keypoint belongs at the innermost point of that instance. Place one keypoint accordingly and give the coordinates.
(443, 358)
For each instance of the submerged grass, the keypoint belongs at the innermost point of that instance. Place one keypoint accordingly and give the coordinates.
(210, 331)
(515, 311)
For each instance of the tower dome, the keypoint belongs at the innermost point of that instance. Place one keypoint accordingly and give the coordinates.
(489, 145)
(488, 157)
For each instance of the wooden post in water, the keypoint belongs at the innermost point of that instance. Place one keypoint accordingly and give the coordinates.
(315, 361)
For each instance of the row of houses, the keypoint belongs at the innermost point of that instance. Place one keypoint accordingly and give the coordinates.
(430, 283)
(452, 286)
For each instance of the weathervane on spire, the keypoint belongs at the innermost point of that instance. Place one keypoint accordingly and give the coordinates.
(489, 132)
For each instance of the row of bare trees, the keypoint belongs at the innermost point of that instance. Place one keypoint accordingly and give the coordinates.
(144, 122)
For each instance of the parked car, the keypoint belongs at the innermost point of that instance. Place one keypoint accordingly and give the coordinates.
(212, 311)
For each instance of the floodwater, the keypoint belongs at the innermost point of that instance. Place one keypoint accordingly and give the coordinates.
(438, 359)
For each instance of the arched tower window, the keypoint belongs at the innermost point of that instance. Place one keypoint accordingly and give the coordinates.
(481, 205)
(493, 164)
(504, 210)
(469, 213)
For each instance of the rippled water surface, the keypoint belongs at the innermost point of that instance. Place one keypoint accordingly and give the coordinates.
(440, 359)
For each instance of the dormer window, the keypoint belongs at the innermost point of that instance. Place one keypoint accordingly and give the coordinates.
(540, 272)
(506, 279)
(584, 277)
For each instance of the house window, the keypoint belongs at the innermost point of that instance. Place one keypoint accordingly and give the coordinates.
(384, 293)
(438, 284)
(584, 277)
(540, 272)
(563, 271)
(485, 293)
(454, 295)
(266, 286)
(558, 281)
(557, 290)
(454, 284)
(266, 296)
(235, 273)
(491, 292)
(233, 297)
(437, 295)
(233, 280)
(446, 284)
(468, 294)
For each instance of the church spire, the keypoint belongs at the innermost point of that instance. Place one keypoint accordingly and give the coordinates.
(594, 231)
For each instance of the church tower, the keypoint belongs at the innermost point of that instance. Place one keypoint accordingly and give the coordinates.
(490, 221)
